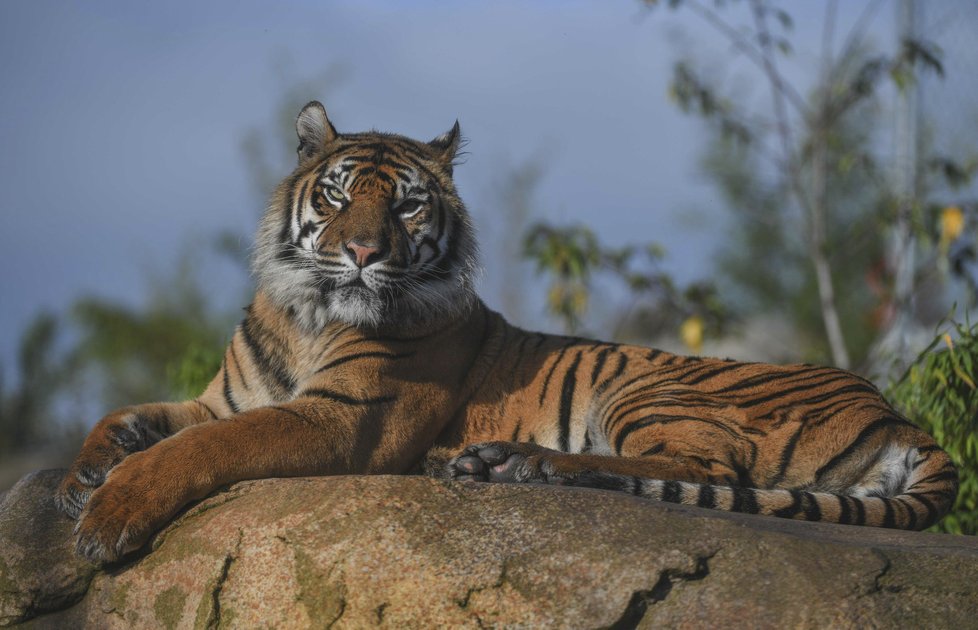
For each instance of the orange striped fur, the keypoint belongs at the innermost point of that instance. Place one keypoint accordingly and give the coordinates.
(366, 347)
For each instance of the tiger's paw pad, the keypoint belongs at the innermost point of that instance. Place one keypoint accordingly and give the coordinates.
(503, 462)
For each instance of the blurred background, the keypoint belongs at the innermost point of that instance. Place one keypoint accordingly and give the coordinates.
(762, 180)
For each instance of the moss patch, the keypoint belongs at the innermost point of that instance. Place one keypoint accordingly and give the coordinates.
(168, 606)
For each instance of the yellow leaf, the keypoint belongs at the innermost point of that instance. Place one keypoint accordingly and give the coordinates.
(691, 332)
(952, 225)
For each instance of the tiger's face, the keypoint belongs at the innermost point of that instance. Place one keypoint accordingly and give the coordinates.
(368, 230)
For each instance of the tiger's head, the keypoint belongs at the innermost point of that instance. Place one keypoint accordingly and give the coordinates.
(368, 230)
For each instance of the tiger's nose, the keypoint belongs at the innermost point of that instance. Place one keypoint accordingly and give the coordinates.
(362, 255)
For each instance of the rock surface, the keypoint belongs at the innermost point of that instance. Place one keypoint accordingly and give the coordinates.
(38, 568)
(412, 552)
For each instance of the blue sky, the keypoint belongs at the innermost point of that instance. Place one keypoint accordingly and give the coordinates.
(121, 123)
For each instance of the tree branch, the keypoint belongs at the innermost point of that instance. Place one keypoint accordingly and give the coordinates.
(815, 204)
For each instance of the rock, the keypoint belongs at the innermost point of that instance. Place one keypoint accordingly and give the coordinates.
(413, 552)
(38, 568)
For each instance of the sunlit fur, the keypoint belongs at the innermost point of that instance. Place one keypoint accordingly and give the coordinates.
(365, 349)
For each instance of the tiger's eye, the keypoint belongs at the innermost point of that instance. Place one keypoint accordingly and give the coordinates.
(410, 208)
(334, 194)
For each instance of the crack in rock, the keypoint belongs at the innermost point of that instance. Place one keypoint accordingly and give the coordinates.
(463, 603)
(214, 618)
(340, 614)
(379, 611)
(877, 586)
(640, 601)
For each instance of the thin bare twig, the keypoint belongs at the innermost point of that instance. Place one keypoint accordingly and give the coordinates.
(855, 34)
(742, 44)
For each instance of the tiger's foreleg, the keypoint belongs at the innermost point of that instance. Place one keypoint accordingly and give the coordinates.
(300, 438)
(117, 436)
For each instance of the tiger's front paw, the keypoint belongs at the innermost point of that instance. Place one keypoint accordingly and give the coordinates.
(124, 512)
(505, 462)
(113, 439)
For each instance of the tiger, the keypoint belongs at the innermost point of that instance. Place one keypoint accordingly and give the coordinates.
(366, 350)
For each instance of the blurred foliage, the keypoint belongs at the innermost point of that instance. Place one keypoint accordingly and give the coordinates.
(940, 393)
(574, 260)
(26, 410)
(155, 351)
(766, 255)
(807, 189)
(190, 375)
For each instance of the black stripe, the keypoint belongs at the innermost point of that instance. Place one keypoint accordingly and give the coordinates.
(516, 433)
(911, 513)
(237, 366)
(365, 355)
(930, 507)
(227, 390)
(284, 233)
(860, 511)
(816, 412)
(845, 513)
(707, 497)
(654, 450)
(298, 211)
(864, 435)
(641, 423)
(889, 518)
(619, 370)
(782, 393)
(347, 400)
(812, 511)
(785, 460)
(764, 379)
(550, 373)
(566, 403)
(714, 372)
(947, 475)
(268, 363)
(672, 492)
(835, 393)
(744, 500)
(791, 510)
(669, 419)
(598, 364)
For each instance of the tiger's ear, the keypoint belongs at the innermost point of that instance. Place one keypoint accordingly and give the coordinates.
(446, 146)
(314, 130)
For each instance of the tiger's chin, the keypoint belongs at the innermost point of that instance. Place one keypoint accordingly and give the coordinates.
(356, 305)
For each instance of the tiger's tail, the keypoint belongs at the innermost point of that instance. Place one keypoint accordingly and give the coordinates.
(925, 494)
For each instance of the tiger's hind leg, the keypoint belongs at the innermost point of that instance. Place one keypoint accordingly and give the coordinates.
(519, 462)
